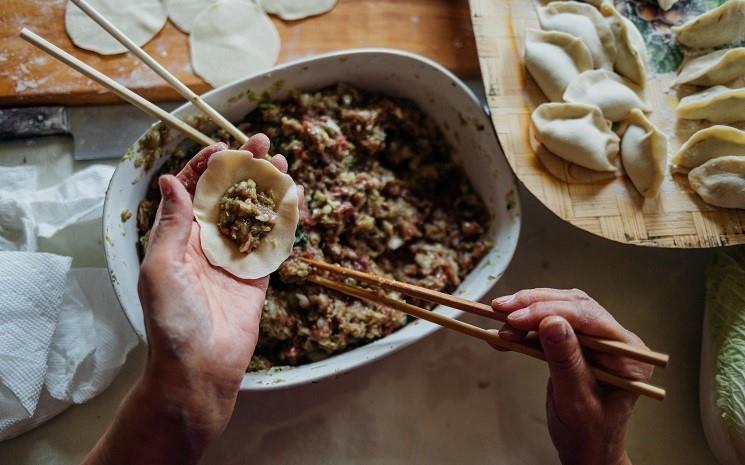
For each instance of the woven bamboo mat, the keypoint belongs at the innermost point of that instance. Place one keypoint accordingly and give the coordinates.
(609, 208)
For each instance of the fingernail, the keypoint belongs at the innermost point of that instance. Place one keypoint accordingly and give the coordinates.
(165, 187)
(554, 331)
(504, 299)
(518, 315)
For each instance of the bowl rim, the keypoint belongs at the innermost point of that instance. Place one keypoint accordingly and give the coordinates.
(508, 253)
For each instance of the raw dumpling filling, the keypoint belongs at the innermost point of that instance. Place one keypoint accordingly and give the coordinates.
(247, 215)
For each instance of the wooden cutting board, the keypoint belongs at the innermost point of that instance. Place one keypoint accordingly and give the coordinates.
(677, 217)
(438, 29)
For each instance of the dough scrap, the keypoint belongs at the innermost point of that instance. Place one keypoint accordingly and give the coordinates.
(183, 12)
(140, 20)
(291, 10)
(223, 170)
(232, 39)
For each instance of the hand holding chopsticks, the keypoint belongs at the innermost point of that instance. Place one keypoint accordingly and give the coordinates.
(597, 344)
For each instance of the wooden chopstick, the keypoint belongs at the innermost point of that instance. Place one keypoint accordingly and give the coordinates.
(172, 80)
(638, 387)
(599, 344)
(115, 87)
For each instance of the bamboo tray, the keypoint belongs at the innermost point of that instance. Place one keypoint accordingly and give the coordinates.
(612, 209)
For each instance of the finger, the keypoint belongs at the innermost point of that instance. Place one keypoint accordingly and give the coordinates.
(258, 145)
(526, 297)
(571, 377)
(586, 317)
(190, 174)
(511, 334)
(170, 234)
(279, 162)
(302, 207)
(624, 366)
(496, 346)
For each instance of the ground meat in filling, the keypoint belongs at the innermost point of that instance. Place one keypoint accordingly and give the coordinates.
(246, 215)
(383, 196)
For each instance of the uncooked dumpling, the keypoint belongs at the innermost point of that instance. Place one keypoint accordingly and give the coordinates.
(718, 104)
(644, 154)
(720, 181)
(577, 133)
(232, 39)
(572, 173)
(595, 3)
(184, 12)
(713, 142)
(553, 59)
(714, 68)
(291, 10)
(140, 20)
(225, 169)
(721, 26)
(583, 21)
(630, 54)
(614, 95)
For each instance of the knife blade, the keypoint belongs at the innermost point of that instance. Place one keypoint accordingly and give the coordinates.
(98, 132)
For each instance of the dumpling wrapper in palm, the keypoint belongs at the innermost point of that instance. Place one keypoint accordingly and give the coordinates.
(224, 170)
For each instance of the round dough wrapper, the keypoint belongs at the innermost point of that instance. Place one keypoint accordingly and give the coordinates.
(223, 170)
(140, 20)
(183, 12)
(290, 10)
(232, 39)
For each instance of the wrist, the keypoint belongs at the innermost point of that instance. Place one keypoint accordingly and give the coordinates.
(194, 409)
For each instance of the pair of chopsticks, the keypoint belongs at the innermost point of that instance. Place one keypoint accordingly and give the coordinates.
(589, 342)
(127, 94)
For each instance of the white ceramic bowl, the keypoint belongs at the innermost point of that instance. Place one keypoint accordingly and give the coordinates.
(437, 91)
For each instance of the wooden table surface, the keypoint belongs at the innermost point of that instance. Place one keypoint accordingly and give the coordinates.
(438, 29)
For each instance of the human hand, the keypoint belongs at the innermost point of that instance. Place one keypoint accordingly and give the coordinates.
(202, 323)
(587, 420)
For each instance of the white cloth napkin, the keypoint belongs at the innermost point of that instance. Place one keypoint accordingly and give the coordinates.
(63, 336)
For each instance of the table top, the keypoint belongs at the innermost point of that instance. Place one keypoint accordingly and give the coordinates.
(447, 399)
(438, 29)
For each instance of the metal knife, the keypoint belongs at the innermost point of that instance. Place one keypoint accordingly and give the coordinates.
(98, 132)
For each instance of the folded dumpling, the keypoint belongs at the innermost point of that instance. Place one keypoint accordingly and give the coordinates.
(644, 154)
(616, 96)
(716, 141)
(595, 3)
(714, 68)
(718, 104)
(584, 21)
(554, 58)
(721, 26)
(630, 54)
(577, 133)
(720, 181)
(666, 4)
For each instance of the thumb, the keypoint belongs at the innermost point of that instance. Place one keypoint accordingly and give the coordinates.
(174, 222)
(570, 375)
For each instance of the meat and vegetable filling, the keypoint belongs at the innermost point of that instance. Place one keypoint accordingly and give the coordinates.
(383, 196)
(246, 215)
